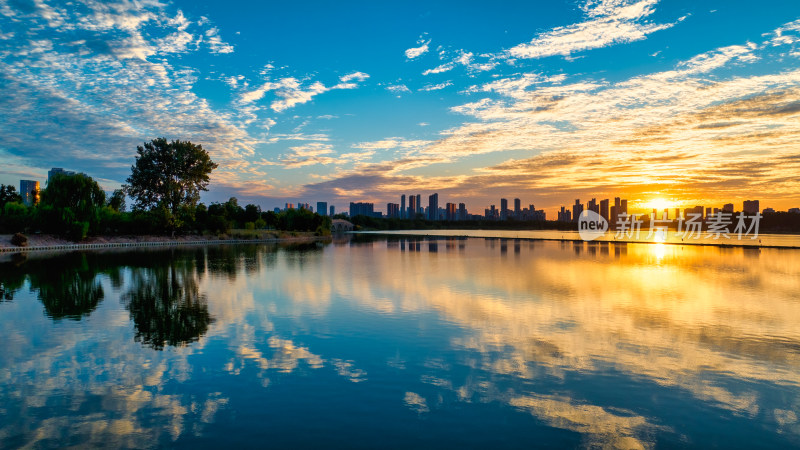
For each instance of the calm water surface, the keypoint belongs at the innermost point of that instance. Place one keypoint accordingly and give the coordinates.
(397, 342)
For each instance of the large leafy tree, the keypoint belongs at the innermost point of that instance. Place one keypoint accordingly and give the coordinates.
(76, 197)
(169, 175)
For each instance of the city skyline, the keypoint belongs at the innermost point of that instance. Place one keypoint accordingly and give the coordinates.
(673, 102)
(29, 190)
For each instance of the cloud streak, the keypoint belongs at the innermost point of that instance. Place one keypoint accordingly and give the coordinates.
(608, 22)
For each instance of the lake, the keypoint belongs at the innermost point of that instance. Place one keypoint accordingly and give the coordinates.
(400, 341)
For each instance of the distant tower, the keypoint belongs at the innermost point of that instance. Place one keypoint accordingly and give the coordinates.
(29, 191)
(750, 206)
(403, 212)
(450, 211)
(392, 210)
(577, 209)
(592, 206)
(517, 209)
(413, 206)
(433, 207)
(333, 210)
(419, 205)
(322, 208)
(56, 171)
(604, 209)
(503, 209)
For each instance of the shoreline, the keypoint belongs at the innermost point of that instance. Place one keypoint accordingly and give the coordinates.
(44, 243)
(731, 244)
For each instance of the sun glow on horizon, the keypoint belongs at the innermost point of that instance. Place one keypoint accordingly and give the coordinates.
(659, 204)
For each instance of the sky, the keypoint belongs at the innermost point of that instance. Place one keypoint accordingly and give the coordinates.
(690, 102)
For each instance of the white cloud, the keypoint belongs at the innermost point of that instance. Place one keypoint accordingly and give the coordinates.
(416, 52)
(436, 87)
(466, 59)
(439, 69)
(106, 85)
(609, 22)
(392, 143)
(398, 88)
(291, 92)
(358, 76)
(215, 43)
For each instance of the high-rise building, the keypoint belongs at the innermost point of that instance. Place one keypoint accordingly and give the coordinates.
(592, 206)
(450, 211)
(322, 208)
(290, 206)
(750, 207)
(362, 209)
(412, 206)
(727, 207)
(577, 209)
(562, 215)
(433, 207)
(503, 209)
(462, 211)
(29, 191)
(56, 171)
(688, 213)
(419, 209)
(517, 209)
(403, 212)
(604, 209)
(392, 210)
(492, 213)
(333, 211)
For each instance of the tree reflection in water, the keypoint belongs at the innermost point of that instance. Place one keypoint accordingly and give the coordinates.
(165, 303)
(160, 288)
(67, 284)
(12, 277)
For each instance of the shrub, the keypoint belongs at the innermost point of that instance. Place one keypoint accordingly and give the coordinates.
(78, 231)
(20, 240)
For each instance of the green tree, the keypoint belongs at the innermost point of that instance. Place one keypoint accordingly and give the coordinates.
(74, 201)
(169, 175)
(8, 194)
(117, 200)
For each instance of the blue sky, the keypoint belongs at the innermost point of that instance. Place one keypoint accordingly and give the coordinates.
(694, 102)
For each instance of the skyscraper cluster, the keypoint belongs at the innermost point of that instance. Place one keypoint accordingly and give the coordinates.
(604, 209)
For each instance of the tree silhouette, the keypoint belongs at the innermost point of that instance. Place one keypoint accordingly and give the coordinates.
(169, 175)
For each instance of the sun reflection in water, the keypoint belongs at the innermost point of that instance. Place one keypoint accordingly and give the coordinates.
(659, 250)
